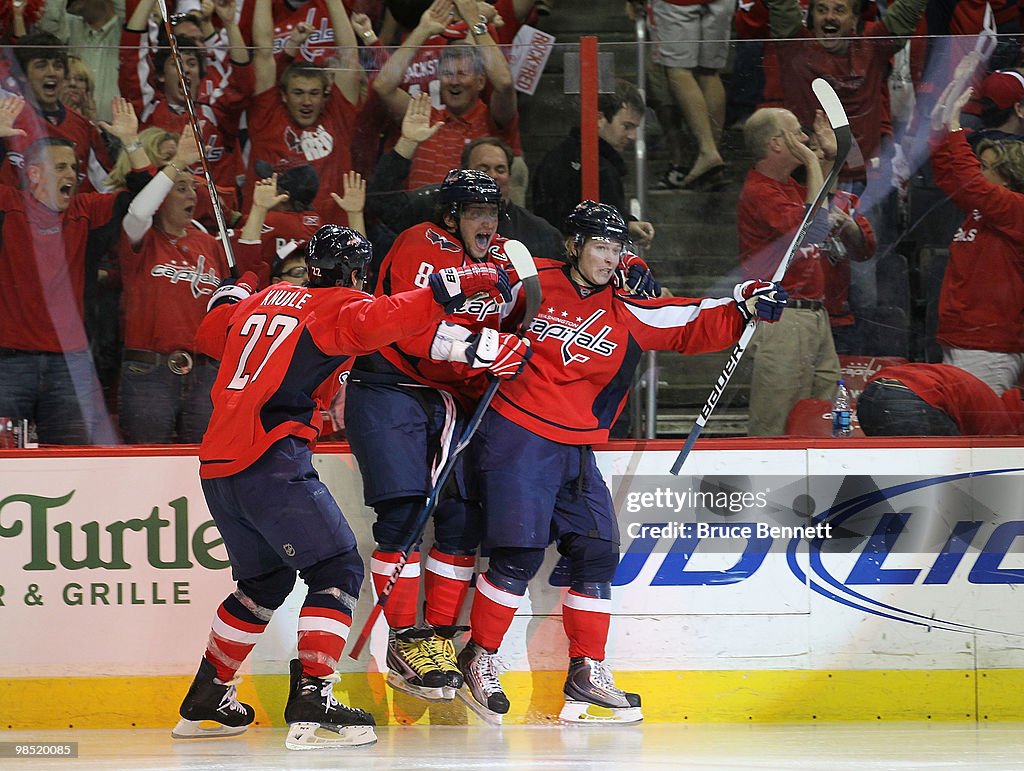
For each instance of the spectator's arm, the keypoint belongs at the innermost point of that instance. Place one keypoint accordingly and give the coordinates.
(54, 19)
(264, 68)
(348, 76)
(238, 51)
(388, 82)
(903, 15)
(784, 18)
(354, 200)
(502, 102)
(264, 198)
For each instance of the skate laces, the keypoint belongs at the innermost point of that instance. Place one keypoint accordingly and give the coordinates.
(229, 701)
(418, 653)
(601, 676)
(488, 667)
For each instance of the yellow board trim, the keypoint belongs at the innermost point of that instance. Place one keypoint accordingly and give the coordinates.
(696, 696)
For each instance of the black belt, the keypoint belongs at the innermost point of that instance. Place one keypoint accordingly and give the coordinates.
(179, 362)
(804, 305)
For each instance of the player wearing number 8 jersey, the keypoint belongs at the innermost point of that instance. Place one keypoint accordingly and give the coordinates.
(279, 351)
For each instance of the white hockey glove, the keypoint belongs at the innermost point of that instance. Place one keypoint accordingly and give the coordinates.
(502, 354)
(231, 291)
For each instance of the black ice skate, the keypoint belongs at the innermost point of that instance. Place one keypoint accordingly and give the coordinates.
(317, 720)
(443, 652)
(211, 708)
(480, 670)
(591, 695)
(412, 667)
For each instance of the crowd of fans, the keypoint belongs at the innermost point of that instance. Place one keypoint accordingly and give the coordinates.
(355, 110)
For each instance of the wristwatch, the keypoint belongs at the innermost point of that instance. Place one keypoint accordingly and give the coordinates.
(480, 28)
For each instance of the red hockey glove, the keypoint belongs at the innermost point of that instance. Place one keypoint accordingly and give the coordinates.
(634, 276)
(451, 286)
(502, 354)
(761, 299)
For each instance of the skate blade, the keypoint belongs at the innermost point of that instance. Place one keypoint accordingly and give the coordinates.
(314, 736)
(204, 729)
(491, 718)
(399, 683)
(584, 712)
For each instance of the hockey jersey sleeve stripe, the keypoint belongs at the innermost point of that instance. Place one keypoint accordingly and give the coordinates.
(673, 316)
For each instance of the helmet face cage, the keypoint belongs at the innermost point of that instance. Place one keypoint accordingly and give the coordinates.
(333, 253)
(597, 220)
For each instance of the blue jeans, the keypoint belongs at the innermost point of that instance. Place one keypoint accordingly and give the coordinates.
(59, 391)
(157, 406)
(889, 410)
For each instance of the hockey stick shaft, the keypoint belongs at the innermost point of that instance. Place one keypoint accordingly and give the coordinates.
(190, 107)
(837, 118)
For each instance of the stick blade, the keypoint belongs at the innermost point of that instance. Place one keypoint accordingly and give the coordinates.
(829, 101)
(522, 261)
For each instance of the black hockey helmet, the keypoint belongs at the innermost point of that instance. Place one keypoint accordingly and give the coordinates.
(462, 186)
(333, 253)
(596, 220)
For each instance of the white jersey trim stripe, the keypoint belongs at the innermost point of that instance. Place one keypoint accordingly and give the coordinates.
(671, 316)
(381, 568)
(447, 570)
(228, 632)
(493, 593)
(323, 624)
(592, 604)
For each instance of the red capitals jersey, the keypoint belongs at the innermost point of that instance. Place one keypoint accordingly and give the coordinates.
(90, 150)
(767, 216)
(44, 252)
(586, 345)
(326, 146)
(279, 352)
(318, 48)
(417, 252)
(981, 305)
(168, 283)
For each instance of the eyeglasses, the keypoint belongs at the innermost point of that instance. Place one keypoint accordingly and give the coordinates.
(296, 272)
(178, 18)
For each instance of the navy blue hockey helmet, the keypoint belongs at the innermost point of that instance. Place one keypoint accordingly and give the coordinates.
(596, 220)
(333, 253)
(462, 186)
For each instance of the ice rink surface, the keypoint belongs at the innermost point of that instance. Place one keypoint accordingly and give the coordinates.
(817, 747)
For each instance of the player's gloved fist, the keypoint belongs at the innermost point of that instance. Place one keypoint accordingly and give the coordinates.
(502, 354)
(451, 286)
(634, 276)
(761, 299)
(234, 291)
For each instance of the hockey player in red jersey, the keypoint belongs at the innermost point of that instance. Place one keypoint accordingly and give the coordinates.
(537, 473)
(279, 350)
(404, 409)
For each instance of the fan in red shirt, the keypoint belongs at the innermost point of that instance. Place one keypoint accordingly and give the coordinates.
(46, 371)
(981, 305)
(279, 349)
(536, 468)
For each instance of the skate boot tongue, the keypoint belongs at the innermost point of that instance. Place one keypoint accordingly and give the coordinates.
(481, 671)
(592, 696)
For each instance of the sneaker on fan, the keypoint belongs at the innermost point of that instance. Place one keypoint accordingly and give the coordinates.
(412, 667)
(211, 708)
(443, 653)
(480, 670)
(316, 720)
(591, 695)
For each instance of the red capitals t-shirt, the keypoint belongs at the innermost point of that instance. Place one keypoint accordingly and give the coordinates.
(279, 352)
(90, 150)
(767, 216)
(326, 145)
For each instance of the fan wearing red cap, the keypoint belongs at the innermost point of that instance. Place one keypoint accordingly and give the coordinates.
(998, 103)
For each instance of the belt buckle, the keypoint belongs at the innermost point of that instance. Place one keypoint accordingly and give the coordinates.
(180, 362)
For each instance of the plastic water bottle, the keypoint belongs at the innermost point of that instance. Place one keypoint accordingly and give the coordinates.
(841, 411)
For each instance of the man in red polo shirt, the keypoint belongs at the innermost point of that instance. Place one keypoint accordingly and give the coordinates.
(465, 71)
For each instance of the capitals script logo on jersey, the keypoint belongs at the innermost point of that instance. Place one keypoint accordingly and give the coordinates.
(574, 334)
(201, 281)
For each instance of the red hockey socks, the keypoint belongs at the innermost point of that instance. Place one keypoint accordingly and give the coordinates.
(446, 581)
(492, 612)
(586, 621)
(234, 631)
(401, 608)
(324, 622)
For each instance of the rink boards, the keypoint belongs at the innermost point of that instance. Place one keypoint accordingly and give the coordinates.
(110, 570)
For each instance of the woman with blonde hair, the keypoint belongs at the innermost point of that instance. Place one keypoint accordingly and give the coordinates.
(160, 145)
(79, 89)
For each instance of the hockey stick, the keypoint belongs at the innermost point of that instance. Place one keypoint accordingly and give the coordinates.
(521, 260)
(194, 120)
(837, 118)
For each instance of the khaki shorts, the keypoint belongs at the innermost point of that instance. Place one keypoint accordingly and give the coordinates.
(690, 36)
